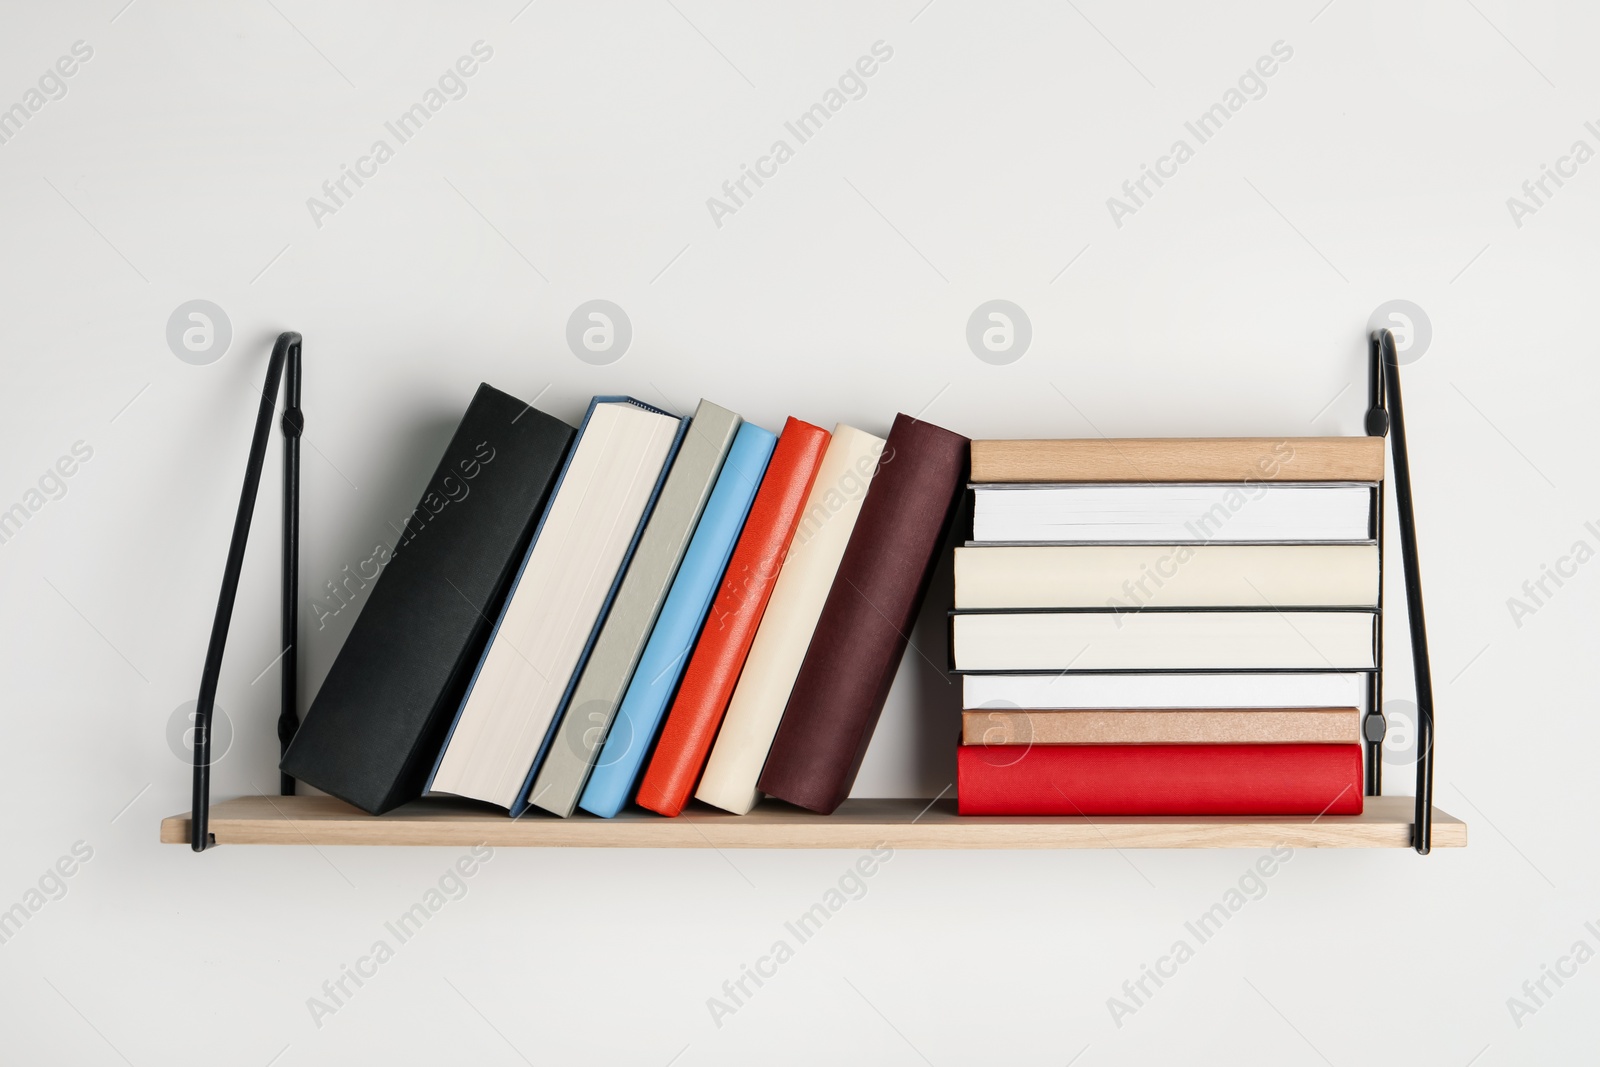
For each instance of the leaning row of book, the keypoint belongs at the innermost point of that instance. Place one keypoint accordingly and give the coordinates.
(645, 607)
(1167, 627)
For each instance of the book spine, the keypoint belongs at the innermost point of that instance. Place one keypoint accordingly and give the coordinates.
(1163, 726)
(661, 666)
(829, 516)
(570, 455)
(869, 613)
(524, 795)
(384, 710)
(1157, 690)
(644, 589)
(1179, 459)
(1132, 577)
(1159, 780)
(720, 653)
(1214, 639)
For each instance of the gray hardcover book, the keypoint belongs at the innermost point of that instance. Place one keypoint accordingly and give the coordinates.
(594, 703)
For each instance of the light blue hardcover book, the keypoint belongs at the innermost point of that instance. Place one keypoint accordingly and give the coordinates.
(661, 667)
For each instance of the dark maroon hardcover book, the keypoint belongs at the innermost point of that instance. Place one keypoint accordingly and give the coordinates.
(867, 617)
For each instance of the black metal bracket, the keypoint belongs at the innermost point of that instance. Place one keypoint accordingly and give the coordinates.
(285, 352)
(1374, 727)
(1386, 417)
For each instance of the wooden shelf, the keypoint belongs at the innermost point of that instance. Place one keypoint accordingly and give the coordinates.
(858, 824)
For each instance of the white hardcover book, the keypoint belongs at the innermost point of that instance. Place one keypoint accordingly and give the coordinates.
(556, 602)
(1197, 513)
(1177, 576)
(1069, 690)
(1165, 640)
(780, 644)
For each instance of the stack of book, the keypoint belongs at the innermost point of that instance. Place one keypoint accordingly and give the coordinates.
(561, 598)
(1167, 626)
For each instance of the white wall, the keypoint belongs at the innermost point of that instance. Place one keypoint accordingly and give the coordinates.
(1377, 166)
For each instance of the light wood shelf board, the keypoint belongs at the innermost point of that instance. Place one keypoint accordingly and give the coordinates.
(858, 824)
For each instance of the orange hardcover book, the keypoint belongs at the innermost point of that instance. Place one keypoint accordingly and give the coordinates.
(720, 653)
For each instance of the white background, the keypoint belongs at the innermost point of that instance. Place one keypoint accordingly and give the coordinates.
(977, 166)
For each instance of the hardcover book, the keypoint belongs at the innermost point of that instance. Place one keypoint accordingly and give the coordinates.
(622, 639)
(842, 483)
(1214, 689)
(1177, 514)
(375, 727)
(557, 602)
(667, 654)
(1137, 460)
(1161, 640)
(870, 610)
(1127, 577)
(1159, 780)
(1162, 726)
(720, 653)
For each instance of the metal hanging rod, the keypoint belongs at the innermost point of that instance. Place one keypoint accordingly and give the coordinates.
(1386, 417)
(286, 352)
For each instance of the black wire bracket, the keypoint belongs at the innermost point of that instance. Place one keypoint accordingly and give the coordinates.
(1386, 418)
(285, 352)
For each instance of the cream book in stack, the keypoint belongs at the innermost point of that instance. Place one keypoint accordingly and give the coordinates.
(780, 643)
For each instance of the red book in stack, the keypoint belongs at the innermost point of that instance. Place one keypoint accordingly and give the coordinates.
(1197, 779)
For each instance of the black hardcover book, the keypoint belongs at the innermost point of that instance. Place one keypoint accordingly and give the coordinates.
(375, 728)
